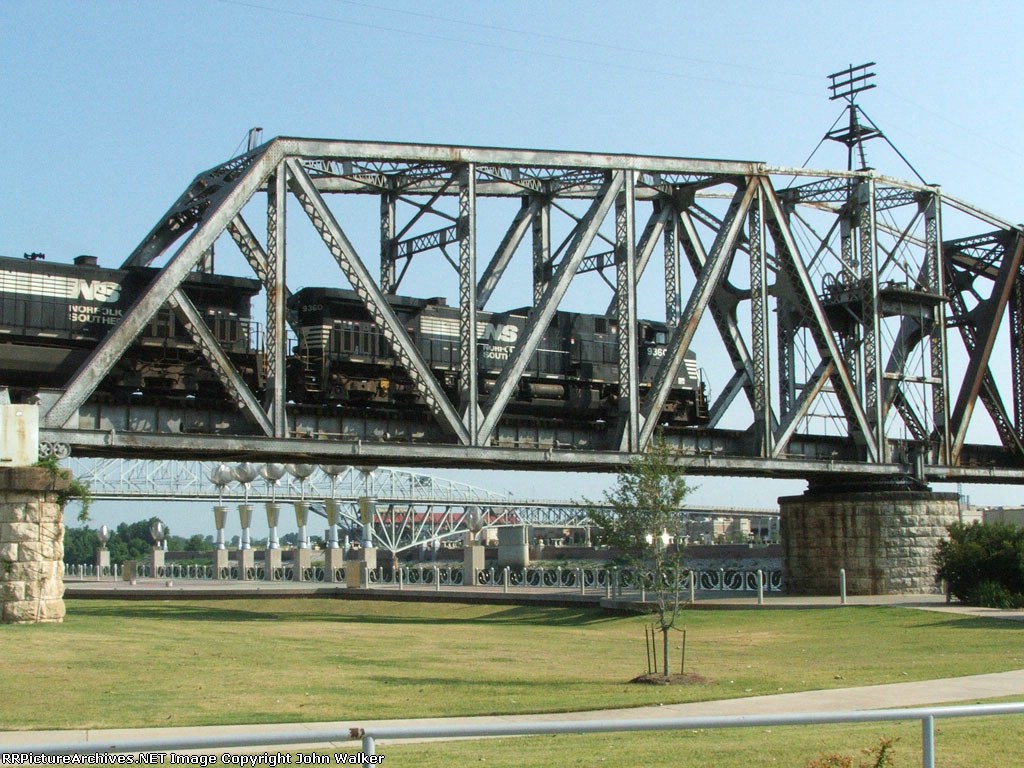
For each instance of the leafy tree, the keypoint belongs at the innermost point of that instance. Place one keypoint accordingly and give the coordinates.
(128, 541)
(131, 541)
(198, 543)
(644, 517)
(983, 564)
(80, 545)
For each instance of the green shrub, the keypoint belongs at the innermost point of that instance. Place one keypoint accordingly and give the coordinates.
(990, 594)
(983, 564)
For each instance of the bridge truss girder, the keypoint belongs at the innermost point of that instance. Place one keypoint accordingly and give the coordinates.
(853, 375)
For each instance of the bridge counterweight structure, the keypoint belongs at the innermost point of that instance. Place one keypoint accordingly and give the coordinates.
(834, 296)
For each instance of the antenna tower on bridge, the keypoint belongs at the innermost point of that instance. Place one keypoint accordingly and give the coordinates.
(846, 84)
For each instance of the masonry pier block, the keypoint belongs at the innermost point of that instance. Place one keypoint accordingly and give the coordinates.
(31, 545)
(885, 539)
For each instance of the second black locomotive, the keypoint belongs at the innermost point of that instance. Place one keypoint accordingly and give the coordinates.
(343, 358)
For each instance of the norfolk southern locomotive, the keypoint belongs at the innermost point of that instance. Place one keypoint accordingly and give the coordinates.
(343, 358)
(53, 315)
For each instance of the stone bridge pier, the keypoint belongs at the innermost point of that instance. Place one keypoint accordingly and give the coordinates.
(883, 536)
(31, 545)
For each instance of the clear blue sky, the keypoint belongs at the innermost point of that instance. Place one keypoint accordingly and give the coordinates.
(110, 108)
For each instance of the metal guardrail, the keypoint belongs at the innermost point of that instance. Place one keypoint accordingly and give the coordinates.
(370, 736)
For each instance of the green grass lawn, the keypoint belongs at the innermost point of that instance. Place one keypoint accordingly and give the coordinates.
(135, 663)
(995, 742)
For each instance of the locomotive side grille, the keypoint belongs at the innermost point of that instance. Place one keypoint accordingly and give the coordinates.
(35, 284)
(447, 326)
(692, 372)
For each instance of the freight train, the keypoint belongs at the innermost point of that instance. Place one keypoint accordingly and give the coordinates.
(53, 315)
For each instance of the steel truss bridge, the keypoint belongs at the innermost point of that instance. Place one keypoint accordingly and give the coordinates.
(861, 320)
(409, 509)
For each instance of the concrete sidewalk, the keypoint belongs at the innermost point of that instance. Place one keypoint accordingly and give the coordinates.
(975, 688)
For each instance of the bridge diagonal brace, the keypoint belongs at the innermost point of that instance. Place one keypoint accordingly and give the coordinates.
(808, 393)
(392, 252)
(736, 384)
(646, 244)
(708, 280)
(373, 299)
(544, 309)
(985, 330)
(222, 208)
(194, 204)
(788, 257)
(253, 252)
(909, 414)
(722, 307)
(506, 249)
(989, 392)
(219, 361)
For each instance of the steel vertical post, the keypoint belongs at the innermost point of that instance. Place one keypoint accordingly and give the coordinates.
(469, 392)
(758, 325)
(388, 246)
(873, 368)
(935, 284)
(673, 300)
(276, 340)
(625, 294)
(848, 279)
(541, 250)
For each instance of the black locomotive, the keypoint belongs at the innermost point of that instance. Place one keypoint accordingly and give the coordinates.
(53, 315)
(342, 357)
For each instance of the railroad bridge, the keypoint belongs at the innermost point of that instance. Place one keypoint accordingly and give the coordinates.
(847, 324)
(853, 322)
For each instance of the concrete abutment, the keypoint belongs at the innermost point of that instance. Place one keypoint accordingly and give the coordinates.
(884, 539)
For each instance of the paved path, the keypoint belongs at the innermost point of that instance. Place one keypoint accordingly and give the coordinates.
(975, 688)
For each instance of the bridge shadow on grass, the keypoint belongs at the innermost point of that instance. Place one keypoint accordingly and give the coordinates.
(169, 610)
(513, 616)
(491, 683)
(976, 622)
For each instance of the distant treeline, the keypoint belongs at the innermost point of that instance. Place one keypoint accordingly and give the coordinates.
(128, 541)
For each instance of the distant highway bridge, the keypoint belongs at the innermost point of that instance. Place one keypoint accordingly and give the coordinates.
(410, 509)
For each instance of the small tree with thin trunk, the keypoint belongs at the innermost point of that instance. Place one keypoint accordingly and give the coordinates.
(644, 517)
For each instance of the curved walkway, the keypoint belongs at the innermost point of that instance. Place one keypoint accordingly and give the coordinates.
(974, 688)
